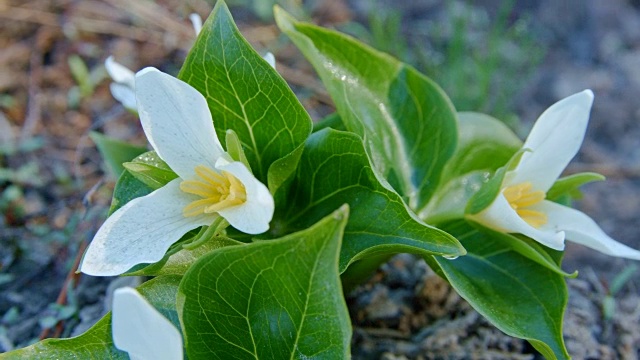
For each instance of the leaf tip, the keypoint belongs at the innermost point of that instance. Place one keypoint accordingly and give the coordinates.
(342, 212)
(284, 20)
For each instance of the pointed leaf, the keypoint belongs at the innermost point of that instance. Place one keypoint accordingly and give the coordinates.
(277, 299)
(491, 188)
(127, 188)
(520, 297)
(115, 152)
(245, 94)
(330, 121)
(406, 121)
(151, 170)
(145, 173)
(568, 186)
(334, 169)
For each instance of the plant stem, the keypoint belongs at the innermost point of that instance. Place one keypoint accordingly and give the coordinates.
(212, 230)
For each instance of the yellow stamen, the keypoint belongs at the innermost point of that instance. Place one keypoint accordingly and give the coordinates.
(217, 190)
(520, 197)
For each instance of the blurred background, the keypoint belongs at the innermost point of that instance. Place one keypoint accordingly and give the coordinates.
(511, 59)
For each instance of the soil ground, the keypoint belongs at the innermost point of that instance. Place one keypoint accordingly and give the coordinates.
(54, 192)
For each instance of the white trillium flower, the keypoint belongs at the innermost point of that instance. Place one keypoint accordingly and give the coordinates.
(196, 21)
(124, 85)
(141, 330)
(270, 59)
(521, 207)
(176, 119)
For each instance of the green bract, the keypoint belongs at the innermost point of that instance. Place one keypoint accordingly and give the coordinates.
(395, 169)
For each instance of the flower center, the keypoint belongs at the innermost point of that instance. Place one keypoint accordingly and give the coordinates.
(217, 190)
(521, 197)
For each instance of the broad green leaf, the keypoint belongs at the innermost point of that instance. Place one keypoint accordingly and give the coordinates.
(528, 248)
(96, 343)
(115, 152)
(520, 297)
(569, 185)
(127, 188)
(330, 121)
(451, 199)
(178, 261)
(334, 169)
(406, 121)
(151, 170)
(245, 94)
(484, 145)
(276, 299)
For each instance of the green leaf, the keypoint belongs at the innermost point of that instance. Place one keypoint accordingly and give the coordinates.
(81, 74)
(245, 94)
(281, 175)
(528, 248)
(518, 296)
(569, 185)
(96, 343)
(406, 121)
(330, 121)
(334, 169)
(127, 188)
(622, 278)
(145, 173)
(234, 148)
(277, 299)
(453, 196)
(490, 190)
(114, 152)
(485, 144)
(151, 170)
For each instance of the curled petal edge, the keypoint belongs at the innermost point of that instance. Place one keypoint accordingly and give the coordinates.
(583, 230)
(500, 216)
(255, 214)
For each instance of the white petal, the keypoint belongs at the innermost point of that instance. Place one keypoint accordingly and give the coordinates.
(196, 21)
(141, 231)
(176, 119)
(270, 59)
(500, 216)
(125, 95)
(254, 215)
(141, 330)
(554, 140)
(581, 229)
(119, 73)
